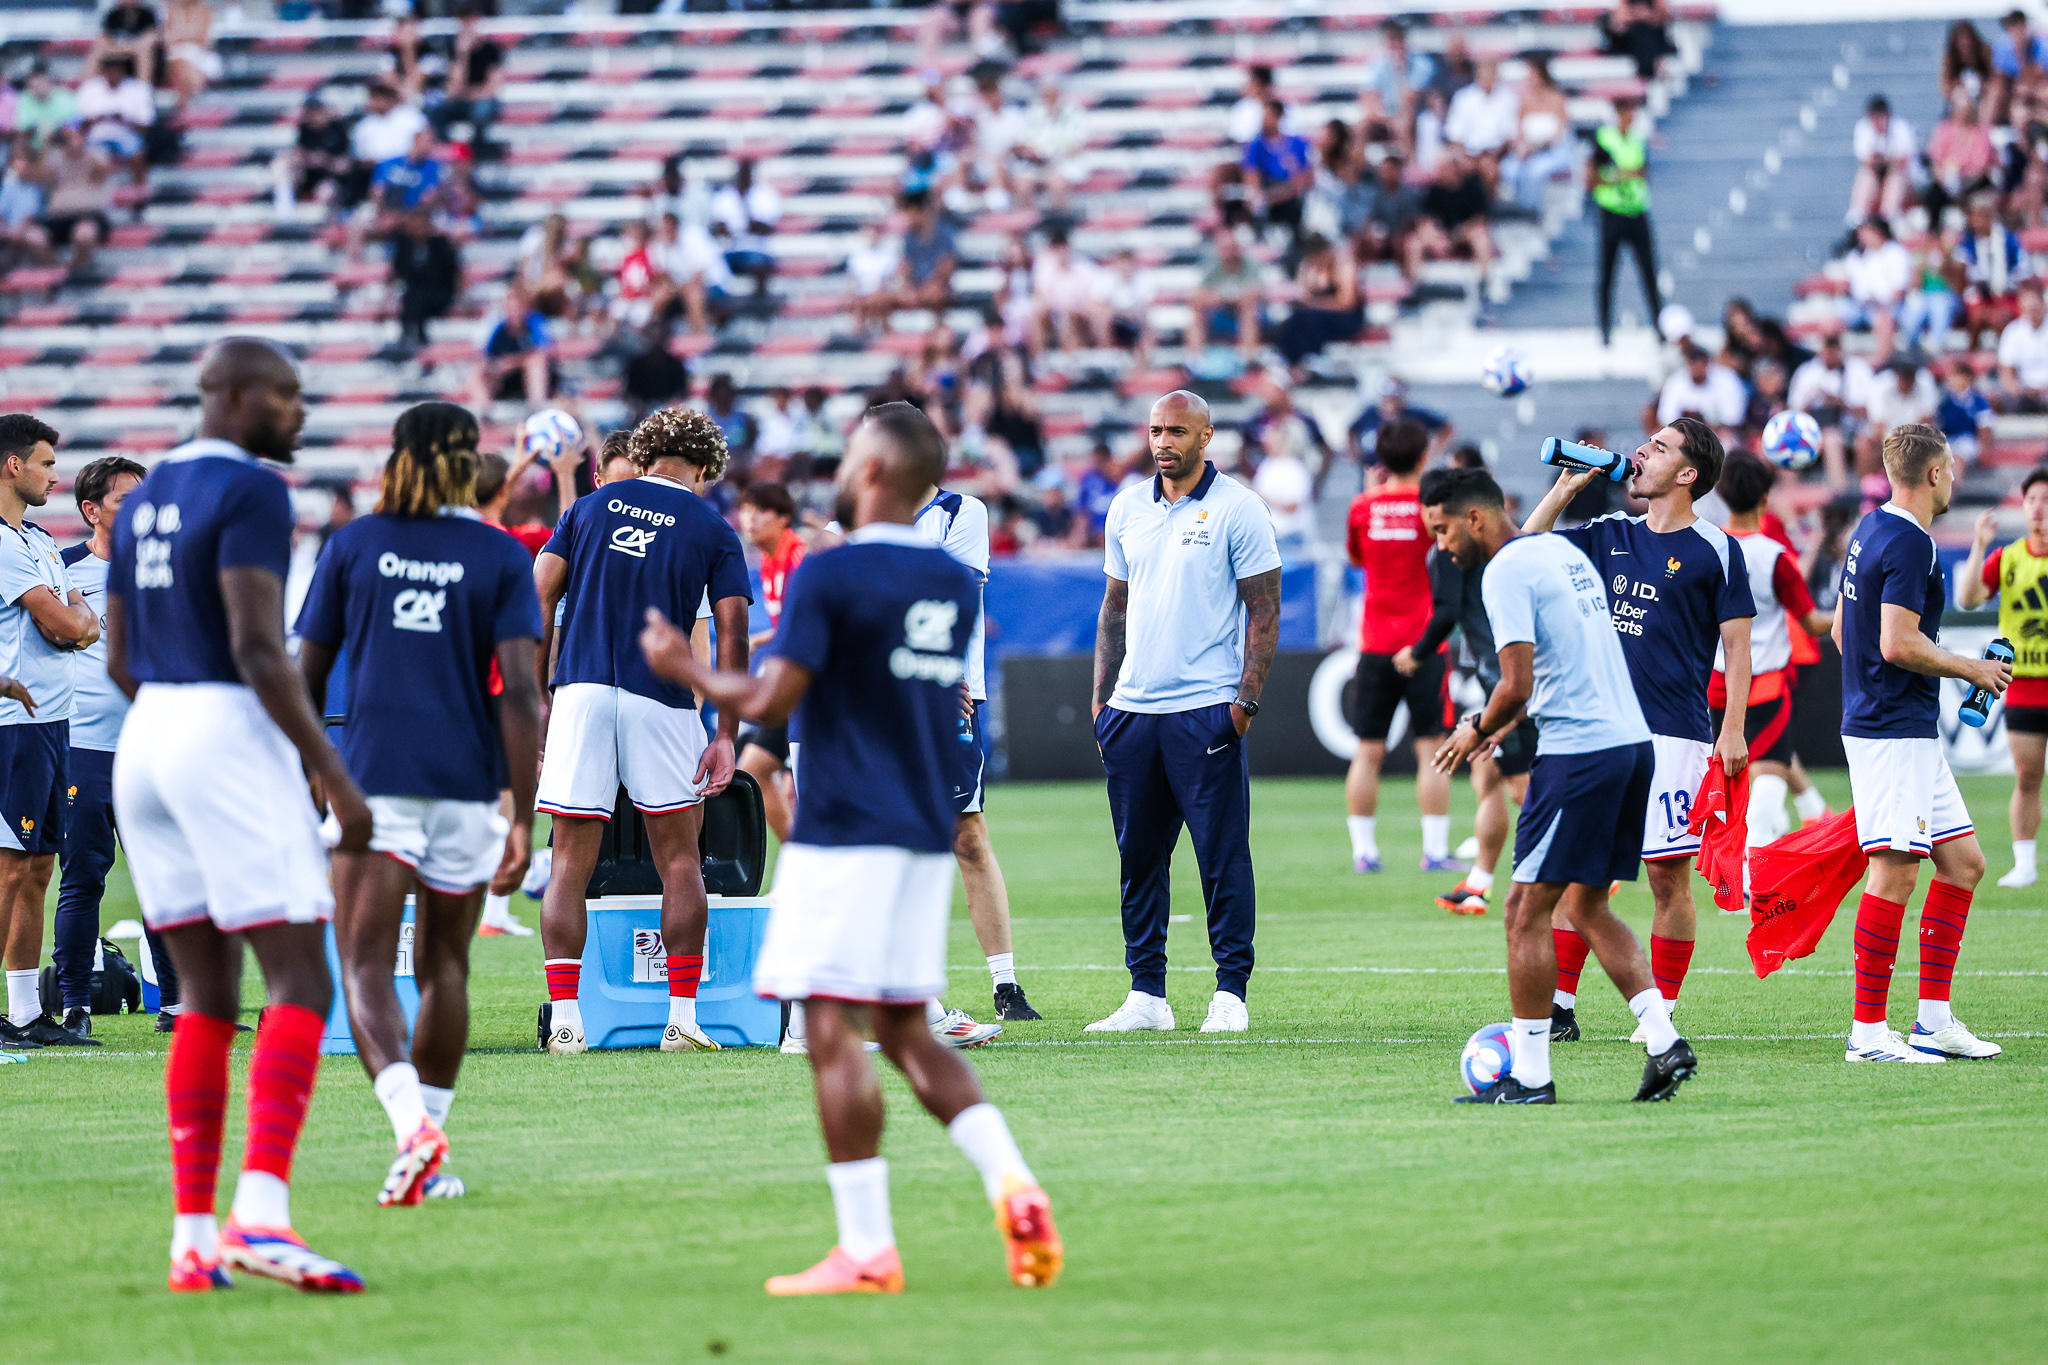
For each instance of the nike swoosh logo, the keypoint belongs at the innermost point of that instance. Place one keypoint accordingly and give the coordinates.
(1219, 748)
(1617, 552)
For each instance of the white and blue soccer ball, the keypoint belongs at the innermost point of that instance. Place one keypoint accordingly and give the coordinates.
(1792, 440)
(549, 432)
(1506, 374)
(1486, 1057)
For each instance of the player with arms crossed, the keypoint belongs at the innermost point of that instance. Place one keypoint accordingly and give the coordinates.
(1582, 826)
(210, 792)
(424, 595)
(1907, 804)
(1679, 591)
(2018, 573)
(647, 541)
(873, 645)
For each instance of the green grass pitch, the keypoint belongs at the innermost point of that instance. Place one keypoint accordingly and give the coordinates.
(1303, 1193)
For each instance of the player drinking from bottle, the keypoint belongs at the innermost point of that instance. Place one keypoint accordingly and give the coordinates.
(2018, 573)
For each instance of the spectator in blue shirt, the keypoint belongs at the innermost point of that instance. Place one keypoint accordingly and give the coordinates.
(1964, 414)
(412, 180)
(1281, 166)
(516, 359)
(1097, 489)
(2018, 38)
(1392, 406)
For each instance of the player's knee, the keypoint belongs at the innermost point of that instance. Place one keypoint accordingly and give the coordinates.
(1963, 863)
(970, 840)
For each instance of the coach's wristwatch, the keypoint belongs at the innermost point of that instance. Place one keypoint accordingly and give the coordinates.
(1250, 708)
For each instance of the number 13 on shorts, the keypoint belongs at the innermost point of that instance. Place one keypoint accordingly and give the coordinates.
(1681, 767)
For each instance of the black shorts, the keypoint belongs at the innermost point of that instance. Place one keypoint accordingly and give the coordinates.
(1517, 753)
(771, 739)
(1378, 688)
(1768, 727)
(2027, 720)
(62, 226)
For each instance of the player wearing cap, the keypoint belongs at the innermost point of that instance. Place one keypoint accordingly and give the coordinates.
(1679, 590)
(1907, 804)
(873, 649)
(2018, 573)
(424, 596)
(210, 791)
(641, 543)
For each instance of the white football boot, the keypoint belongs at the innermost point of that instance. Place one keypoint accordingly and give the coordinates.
(1892, 1049)
(1955, 1040)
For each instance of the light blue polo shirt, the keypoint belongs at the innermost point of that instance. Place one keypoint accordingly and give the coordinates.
(1184, 631)
(29, 559)
(1542, 590)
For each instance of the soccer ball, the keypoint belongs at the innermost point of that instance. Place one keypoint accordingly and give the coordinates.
(1506, 373)
(1792, 440)
(1486, 1057)
(549, 432)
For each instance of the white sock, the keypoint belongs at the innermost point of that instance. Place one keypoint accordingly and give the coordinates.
(439, 1100)
(398, 1090)
(2023, 855)
(796, 1020)
(860, 1196)
(1654, 1015)
(1564, 1000)
(497, 909)
(1935, 1014)
(1479, 881)
(979, 1131)
(933, 1011)
(1810, 804)
(1436, 836)
(262, 1201)
(1365, 841)
(172, 1010)
(24, 998)
(1529, 1045)
(567, 1014)
(1862, 1035)
(198, 1232)
(1766, 808)
(1002, 968)
(682, 1011)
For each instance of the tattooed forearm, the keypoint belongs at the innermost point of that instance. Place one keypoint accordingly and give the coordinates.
(1261, 597)
(1109, 639)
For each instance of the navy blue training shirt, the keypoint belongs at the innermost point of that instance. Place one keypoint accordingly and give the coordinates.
(422, 604)
(631, 545)
(1669, 593)
(208, 506)
(882, 625)
(1891, 559)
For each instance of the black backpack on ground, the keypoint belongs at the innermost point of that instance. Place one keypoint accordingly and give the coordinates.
(116, 985)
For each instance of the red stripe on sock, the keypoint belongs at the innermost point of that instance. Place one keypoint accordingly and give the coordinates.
(1877, 948)
(564, 980)
(1571, 958)
(1942, 920)
(281, 1071)
(1670, 959)
(196, 1102)
(685, 970)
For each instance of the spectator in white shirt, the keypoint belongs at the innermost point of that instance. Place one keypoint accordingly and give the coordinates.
(871, 265)
(743, 214)
(1066, 295)
(1284, 481)
(1248, 115)
(1711, 392)
(1832, 389)
(693, 265)
(1904, 393)
(384, 132)
(1485, 116)
(998, 128)
(2023, 353)
(1880, 272)
(781, 428)
(1885, 152)
(116, 106)
(1055, 135)
(1127, 294)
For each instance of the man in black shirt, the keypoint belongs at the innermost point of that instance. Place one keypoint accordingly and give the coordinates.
(474, 64)
(428, 270)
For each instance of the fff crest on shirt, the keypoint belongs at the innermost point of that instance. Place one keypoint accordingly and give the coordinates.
(1200, 533)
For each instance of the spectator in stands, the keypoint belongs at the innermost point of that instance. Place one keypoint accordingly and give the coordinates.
(1618, 179)
(1278, 167)
(1128, 294)
(2016, 48)
(692, 272)
(118, 108)
(23, 194)
(129, 29)
(43, 106)
(314, 166)
(476, 65)
(1328, 305)
(1886, 149)
(1066, 297)
(1392, 209)
(1484, 117)
(2023, 353)
(1248, 115)
(998, 127)
(1053, 517)
(1905, 393)
(549, 260)
(1055, 134)
(1936, 298)
(81, 197)
(654, 376)
(1994, 264)
(426, 267)
(407, 57)
(780, 424)
(674, 192)
(872, 266)
(1832, 389)
(722, 406)
(1392, 406)
(743, 216)
(1100, 482)
(1966, 69)
(1337, 195)
(1766, 396)
(1961, 160)
(1964, 414)
(1641, 31)
(516, 361)
(1226, 302)
(1454, 222)
(1701, 388)
(410, 181)
(1282, 477)
(930, 255)
(1395, 73)
(188, 46)
(1542, 149)
(385, 131)
(1880, 272)
(1005, 406)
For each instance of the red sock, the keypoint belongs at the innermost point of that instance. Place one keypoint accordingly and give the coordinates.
(196, 1098)
(281, 1071)
(1669, 960)
(685, 970)
(1877, 947)
(565, 977)
(1942, 918)
(1571, 958)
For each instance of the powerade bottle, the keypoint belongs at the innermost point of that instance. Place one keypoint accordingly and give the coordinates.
(1571, 455)
(1977, 706)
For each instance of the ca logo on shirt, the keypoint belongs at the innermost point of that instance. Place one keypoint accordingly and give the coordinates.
(928, 626)
(418, 609)
(632, 540)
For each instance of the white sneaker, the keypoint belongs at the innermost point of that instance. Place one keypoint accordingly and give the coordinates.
(686, 1038)
(1893, 1049)
(1138, 1013)
(2018, 877)
(1468, 850)
(1227, 1014)
(1955, 1040)
(538, 871)
(957, 1029)
(794, 1046)
(1642, 1033)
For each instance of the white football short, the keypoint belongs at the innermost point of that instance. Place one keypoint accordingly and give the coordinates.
(451, 846)
(862, 924)
(601, 738)
(1906, 797)
(1681, 767)
(214, 812)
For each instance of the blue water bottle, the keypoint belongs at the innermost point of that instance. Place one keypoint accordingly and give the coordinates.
(1571, 455)
(1977, 706)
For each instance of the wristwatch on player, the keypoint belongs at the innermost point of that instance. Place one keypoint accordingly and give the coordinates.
(1250, 708)
(1472, 718)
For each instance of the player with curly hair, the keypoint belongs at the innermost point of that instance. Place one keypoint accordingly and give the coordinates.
(647, 541)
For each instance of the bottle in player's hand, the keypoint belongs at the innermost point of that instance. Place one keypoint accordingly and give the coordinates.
(1586, 459)
(1976, 708)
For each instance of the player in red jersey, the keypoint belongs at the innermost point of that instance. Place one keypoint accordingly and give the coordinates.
(768, 523)
(1385, 537)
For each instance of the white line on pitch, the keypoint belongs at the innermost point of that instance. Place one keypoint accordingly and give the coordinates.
(1451, 971)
